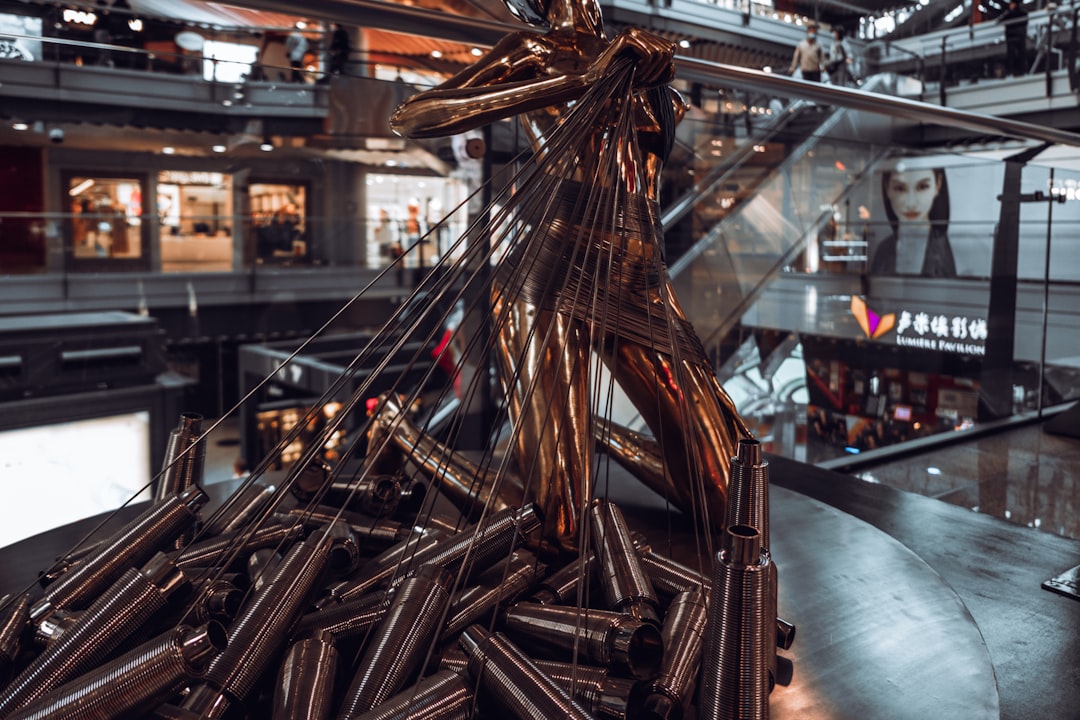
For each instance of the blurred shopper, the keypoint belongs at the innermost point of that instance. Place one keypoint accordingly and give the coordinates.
(839, 59)
(809, 56)
(296, 46)
(340, 48)
(1015, 20)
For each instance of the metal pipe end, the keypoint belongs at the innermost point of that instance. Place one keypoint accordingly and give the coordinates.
(658, 706)
(742, 545)
(748, 452)
(637, 645)
(164, 573)
(190, 422)
(200, 645)
(785, 634)
(194, 497)
(344, 554)
(471, 638)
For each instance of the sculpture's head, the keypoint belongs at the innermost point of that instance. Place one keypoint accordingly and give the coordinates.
(578, 14)
(533, 12)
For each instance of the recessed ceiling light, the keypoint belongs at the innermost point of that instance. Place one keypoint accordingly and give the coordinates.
(20, 126)
(436, 54)
(167, 150)
(266, 146)
(477, 51)
(219, 148)
(684, 44)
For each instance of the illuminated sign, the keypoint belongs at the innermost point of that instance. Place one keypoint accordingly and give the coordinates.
(917, 328)
(181, 177)
(872, 324)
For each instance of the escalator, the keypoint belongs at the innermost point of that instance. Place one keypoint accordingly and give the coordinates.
(771, 205)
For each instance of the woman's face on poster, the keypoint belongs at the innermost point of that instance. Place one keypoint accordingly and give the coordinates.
(911, 194)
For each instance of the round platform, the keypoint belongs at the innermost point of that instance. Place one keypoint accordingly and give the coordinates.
(879, 633)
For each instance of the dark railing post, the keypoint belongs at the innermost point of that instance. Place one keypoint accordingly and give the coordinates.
(1072, 52)
(1047, 54)
(941, 75)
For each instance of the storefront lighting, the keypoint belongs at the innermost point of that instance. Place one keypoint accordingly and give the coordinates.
(219, 148)
(20, 126)
(81, 187)
(79, 17)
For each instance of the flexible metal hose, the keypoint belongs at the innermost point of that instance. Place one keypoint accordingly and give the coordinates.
(683, 633)
(124, 607)
(153, 671)
(627, 588)
(305, 683)
(513, 681)
(182, 467)
(445, 695)
(400, 641)
(599, 636)
(134, 544)
(14, 618)
(261, 629)
(735, 668)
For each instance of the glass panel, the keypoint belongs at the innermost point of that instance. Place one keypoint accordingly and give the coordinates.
(278, 223)
(195, 211)
(106, 218)
(402, 209)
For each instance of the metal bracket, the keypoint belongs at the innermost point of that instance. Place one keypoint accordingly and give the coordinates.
(1067, 583)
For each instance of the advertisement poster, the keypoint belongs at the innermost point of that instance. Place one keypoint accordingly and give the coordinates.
(20, 37)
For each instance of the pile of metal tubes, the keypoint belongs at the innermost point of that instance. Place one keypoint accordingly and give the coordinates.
(348, 609)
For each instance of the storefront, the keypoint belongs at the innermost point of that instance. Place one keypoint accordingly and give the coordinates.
(402, 209)
(105, 221)
(195, 216)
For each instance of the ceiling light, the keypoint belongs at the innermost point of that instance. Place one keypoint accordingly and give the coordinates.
(219, 148)
(266, 145)
(301, 24)
(81, 187)
(436, 54)
(135, 24)
(933, 470)
(477, 51)
(684, 44)
(167, 150)
(20, 126)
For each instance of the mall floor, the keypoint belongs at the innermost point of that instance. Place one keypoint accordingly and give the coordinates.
(1024, 475)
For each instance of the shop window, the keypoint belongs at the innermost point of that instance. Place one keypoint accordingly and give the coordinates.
(279, 223)
(106, 222)
(195, 220)
(403, 209)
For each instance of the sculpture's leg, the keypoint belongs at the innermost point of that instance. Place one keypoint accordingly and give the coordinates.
(693, 421)
(546, 382)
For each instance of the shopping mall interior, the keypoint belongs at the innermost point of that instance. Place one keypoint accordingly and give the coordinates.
(207, 212)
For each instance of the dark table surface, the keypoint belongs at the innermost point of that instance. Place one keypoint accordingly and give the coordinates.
(906, 607)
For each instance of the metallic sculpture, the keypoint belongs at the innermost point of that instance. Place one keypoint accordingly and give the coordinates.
(590, 277)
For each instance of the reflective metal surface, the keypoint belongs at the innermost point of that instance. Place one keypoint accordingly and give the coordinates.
(601, 637)
(306, 680)
(401, 640)
(513, 681)
(152, 671)
(627, 587)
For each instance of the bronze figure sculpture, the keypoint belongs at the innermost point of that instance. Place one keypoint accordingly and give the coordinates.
(596, 284)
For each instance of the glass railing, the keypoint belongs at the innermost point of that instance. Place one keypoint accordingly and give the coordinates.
(859, 298)
(100, 241)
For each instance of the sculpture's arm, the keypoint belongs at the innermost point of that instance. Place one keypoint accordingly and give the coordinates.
(517, 76)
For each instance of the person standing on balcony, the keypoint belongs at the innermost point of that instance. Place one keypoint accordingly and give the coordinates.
(809, 56)
(339, 49)
(296, 46)
(1015, 20)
